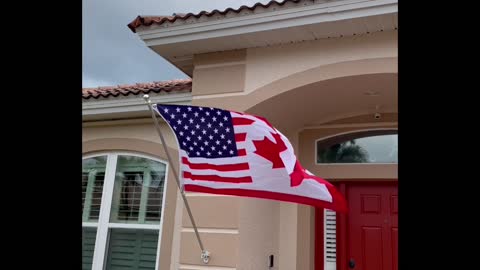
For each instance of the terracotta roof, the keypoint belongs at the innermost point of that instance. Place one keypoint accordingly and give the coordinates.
(149, 20)
(137, 89)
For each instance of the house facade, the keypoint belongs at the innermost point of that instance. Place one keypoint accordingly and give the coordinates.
(322, 72)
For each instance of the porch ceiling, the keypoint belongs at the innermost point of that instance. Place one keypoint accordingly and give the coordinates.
(330, 100)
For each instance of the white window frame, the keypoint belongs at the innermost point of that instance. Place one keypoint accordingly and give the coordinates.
(103, 224)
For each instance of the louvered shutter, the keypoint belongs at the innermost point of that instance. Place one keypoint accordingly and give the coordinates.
(330, 240)
(88, 245)
(132, 249)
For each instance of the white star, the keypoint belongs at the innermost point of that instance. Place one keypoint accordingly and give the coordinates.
(227, 129)
(184, 115)
(195, 143)
(196, 114)
(172, 115)
(199, 138)
(213, 148)
(219, 113)
(231, 152)
(202, 119)
(184, 143)
(189, 109)
(209, 125)
(198, 153)
(217, 142)
(165, 110)
(214, 119)
(191, 148)
(205, 142)
(201, 148)
(207, 113)
(197, 126)
(211, 108)
(178, 109)
(220, 124)
(181, 133)
(175, 127)
(215, 130)
(208, 154)
(201, 109)
(204, 131)
(188, 138)
(229, 142)
(210, 137)
(185, 127)
(225, 118)
(222, 136)
(190, 120)
(219, 152)
(224, 147)
(192, 132)
(179, 121)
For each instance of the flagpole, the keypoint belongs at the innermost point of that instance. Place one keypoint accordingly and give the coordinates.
(205, 255)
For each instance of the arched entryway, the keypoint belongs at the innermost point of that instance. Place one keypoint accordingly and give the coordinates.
(366, 238)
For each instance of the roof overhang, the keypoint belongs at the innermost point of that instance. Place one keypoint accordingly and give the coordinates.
(296, 22)
(130, 107)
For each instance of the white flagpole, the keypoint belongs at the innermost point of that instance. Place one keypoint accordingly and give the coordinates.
(205, 255)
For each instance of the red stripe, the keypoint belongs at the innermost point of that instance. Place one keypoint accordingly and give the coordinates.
(242, 152)
(221, 168)
(240, 137)
(237, 121)
(216, 178)
(335, 205)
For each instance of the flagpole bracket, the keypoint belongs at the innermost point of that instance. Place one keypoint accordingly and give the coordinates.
(205, 256)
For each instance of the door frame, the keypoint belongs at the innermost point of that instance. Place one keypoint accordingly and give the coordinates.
(342, 224)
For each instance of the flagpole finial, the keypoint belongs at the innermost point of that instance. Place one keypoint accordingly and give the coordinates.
(147, 99)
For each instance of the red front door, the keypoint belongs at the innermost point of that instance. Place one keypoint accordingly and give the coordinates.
(372, 226)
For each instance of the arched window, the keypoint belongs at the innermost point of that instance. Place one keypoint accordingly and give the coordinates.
(374, 146)
(122, 203)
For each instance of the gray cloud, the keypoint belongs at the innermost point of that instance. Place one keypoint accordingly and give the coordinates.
(113, 55)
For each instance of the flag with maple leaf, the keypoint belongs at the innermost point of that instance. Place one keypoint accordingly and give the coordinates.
(233, 153)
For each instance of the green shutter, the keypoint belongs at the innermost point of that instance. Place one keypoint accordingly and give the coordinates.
(88, 244)
(132, 249)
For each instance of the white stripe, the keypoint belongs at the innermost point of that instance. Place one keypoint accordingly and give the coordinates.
(215, 161)
(241, 173)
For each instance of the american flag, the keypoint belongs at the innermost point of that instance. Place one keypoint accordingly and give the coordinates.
(233, 153)
(211, 140)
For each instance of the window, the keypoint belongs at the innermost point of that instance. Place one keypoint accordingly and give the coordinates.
(122, 202)
(379, 146)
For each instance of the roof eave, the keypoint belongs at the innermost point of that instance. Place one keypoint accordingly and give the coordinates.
(177, 42)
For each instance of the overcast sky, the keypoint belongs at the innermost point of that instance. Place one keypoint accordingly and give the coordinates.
(113, 55)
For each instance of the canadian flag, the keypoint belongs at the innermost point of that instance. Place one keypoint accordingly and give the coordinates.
(232, 153)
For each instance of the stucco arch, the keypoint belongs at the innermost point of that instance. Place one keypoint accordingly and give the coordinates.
(246, 102)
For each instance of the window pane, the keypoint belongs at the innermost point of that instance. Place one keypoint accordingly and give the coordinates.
(93, 173)
(138, 191)
(132, 249)
(371, 149)
(88, 244)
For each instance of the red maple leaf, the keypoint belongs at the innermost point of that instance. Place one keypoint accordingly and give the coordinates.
(270, 150)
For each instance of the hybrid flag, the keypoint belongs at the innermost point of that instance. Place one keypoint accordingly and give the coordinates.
(233, 153)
